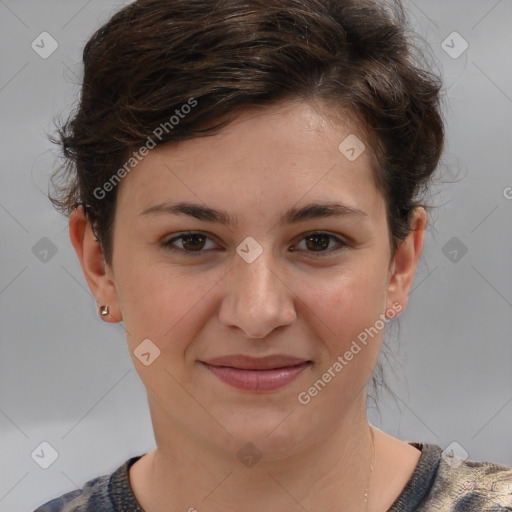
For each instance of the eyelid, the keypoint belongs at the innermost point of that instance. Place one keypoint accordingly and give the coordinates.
(167, 243)
(341, 242)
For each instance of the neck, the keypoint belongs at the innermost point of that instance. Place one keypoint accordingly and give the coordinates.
(331, 472)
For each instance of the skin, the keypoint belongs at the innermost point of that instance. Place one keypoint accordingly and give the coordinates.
(315, 456)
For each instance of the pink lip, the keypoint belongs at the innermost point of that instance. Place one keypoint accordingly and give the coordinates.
(256, 373)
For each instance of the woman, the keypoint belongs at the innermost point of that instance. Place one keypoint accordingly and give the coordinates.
(244, 186)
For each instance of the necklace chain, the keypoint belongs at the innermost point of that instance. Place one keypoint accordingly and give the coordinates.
(370, 475)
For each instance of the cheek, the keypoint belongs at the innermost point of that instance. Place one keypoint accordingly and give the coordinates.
(152, 298)
(347, 303)
(346, 313)
(163, 303)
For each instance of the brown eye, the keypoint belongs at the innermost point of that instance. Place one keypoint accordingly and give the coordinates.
(319, 242)
(192, 244)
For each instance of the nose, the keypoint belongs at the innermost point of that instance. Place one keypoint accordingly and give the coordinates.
(258, 297)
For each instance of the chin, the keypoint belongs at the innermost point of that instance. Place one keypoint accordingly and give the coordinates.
(274, 434)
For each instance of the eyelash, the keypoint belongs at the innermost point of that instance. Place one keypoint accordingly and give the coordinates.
(316, 254)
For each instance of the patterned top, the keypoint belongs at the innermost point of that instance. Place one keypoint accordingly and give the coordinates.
(438, 484)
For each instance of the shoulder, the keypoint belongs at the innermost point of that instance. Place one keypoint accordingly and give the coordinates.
(470, 486)
(106, 493)
(93, 494)
(93, 497)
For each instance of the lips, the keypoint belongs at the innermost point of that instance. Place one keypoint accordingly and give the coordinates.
(243, 362)
(256, 373)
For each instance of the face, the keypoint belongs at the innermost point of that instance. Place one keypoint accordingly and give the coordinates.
(253, 269)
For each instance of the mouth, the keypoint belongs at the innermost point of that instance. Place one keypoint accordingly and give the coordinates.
(257, 373)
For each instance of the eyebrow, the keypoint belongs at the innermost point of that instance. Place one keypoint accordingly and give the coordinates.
(292, 216)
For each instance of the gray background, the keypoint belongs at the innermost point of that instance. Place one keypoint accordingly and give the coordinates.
(66, 377)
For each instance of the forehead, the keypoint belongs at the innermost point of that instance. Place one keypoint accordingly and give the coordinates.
(276, 154)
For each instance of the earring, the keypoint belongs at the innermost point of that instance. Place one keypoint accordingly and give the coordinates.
(104, 310)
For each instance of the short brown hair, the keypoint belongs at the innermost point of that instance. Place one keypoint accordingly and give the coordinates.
(153, 56)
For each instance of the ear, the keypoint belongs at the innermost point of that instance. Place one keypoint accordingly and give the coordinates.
(99, 276)
(405, 261)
